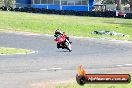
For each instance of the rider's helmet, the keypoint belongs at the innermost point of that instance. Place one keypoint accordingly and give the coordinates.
(57, 32)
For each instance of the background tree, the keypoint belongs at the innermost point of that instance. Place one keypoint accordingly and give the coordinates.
(108, 1)
(9, 2)
(1, 1)
(118, 4)
(130, 3)
(124, 2)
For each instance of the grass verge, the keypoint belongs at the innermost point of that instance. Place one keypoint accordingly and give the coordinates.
(75, 85)
(12, 51)
(72, 25)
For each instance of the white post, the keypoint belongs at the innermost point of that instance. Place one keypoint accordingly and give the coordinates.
(40, 1)
(117, 12)
(60, 5)
(88, 5)
(53, 2)
(47, 4)
(60, 2)
(33, 1)
(74, 3)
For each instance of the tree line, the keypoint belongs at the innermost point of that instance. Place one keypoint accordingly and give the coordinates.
(117, 2)
(8, 2)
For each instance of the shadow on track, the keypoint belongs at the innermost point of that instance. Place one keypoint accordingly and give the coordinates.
(62, 51)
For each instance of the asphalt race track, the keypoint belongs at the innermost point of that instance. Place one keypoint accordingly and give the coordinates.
(51, 64)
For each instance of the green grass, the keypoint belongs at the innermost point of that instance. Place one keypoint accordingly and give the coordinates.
(74, 85)
(11, 51)
(72, 25)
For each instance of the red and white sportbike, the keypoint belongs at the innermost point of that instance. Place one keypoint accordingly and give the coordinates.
(63, 42)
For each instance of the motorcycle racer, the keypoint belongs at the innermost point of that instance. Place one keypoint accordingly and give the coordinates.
(59, 33)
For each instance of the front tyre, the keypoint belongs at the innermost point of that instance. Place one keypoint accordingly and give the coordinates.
(68, 46)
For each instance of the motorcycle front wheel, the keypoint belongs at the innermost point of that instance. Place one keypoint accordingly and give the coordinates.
(68, 46)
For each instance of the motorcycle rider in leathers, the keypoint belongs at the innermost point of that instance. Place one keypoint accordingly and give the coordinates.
(59, 33)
